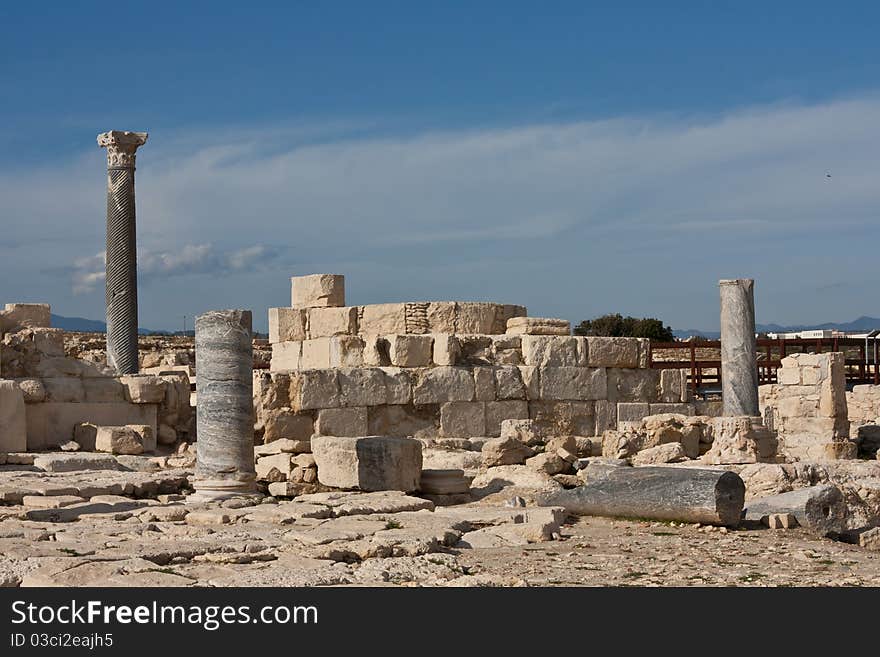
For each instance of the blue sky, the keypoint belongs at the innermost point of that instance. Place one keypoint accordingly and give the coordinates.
(574, 157)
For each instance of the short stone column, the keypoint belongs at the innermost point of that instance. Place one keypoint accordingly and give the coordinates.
(122, 310)
(739, 367)
(225, 407)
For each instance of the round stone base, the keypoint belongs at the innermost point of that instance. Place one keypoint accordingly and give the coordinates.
(214, 490)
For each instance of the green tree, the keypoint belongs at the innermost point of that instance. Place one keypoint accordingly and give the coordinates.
(618, 326)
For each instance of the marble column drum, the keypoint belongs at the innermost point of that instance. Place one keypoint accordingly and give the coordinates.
(225, 407)
(739, 367)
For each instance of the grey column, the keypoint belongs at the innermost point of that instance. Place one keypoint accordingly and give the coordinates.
(739, 366)
(224, 405)
(122, 311)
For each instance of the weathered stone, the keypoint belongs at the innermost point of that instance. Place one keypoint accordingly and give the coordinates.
(446, 349)
(102, 389)
(870, 539)
(342, 422)
(327, 322)
(505, 451)
(75, 461)
(410, 350)
(64, 389)
(119, 440)
(286, 356)
(315, 354)
(317, 291)
(740, 440)
(372, 463)
(347, 351)
(13, 422)
(538, 326)
(548, 462)
(499, 411)
(288, 324)
(283, 445)
(666, 453)
(437, 385)
(463, 419)
(383, 319)
(550, 351)
(286, 424)
(276, 467)
(572, 383)
(612, 352)
(780, 521)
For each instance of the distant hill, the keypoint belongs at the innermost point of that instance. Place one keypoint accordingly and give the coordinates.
(83, 325)
(863, 323)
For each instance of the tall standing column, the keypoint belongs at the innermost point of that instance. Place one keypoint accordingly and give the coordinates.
(224, 405)
(122, 312)
(739, 366)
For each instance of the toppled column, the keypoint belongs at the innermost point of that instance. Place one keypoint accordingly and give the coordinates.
(820, 509)
(712, 497)
(739, 367)
(224, 412)
(121, 284)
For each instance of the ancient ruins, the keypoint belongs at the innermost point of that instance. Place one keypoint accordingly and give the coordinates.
(446, 443)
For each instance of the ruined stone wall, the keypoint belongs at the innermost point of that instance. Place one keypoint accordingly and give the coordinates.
(59, 392)
(807, 408)
(863, 405)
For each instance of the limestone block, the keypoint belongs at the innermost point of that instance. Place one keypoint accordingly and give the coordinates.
(788, 376)
(283, 446)
(572, 383)
(317, 291)
(505, 451)
(612, 352)
(410, 350)
(167, 435)
(52, 423)
(398, 385)
(370, 463)
(403, 421)
(531, 378)
(633, 385)
(666, 453)
(327, 322)
(680, 409)
(780, 521)
(84, 434)
(548, 462)
(102, 389)
(673, 386)
(347, 351)
(550, 351)
(810, 375)
(484, 384)
(498, 412)
(362, 386)
(524, 430)
(13, 418)
(342, 422)
(644, 352)
(606, 416)
(575, 418)
(383, 318)
(64, 389)
(476, 317)
(441, 317)
(274, 468)
(288, 324)
(315, 354)
(16, 316)
(632, 411)
(33, 390)
(739, 439)
(119, 440)
(437, 385)
(842, 450)
(313, 389)
(286, 356)
(76, 461)
(143, 388)
(870, 539)
(538, 326)
(376, 351)
(508, 383)
(447, 349)
(462, 419)
(286, 424)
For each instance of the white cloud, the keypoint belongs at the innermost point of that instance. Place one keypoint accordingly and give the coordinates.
(635, 214)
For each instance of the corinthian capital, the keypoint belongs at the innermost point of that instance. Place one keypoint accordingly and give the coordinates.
(121, 146)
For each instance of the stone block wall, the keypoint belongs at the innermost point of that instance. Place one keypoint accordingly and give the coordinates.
(59, 392)
(807, 408)
(863, 405)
